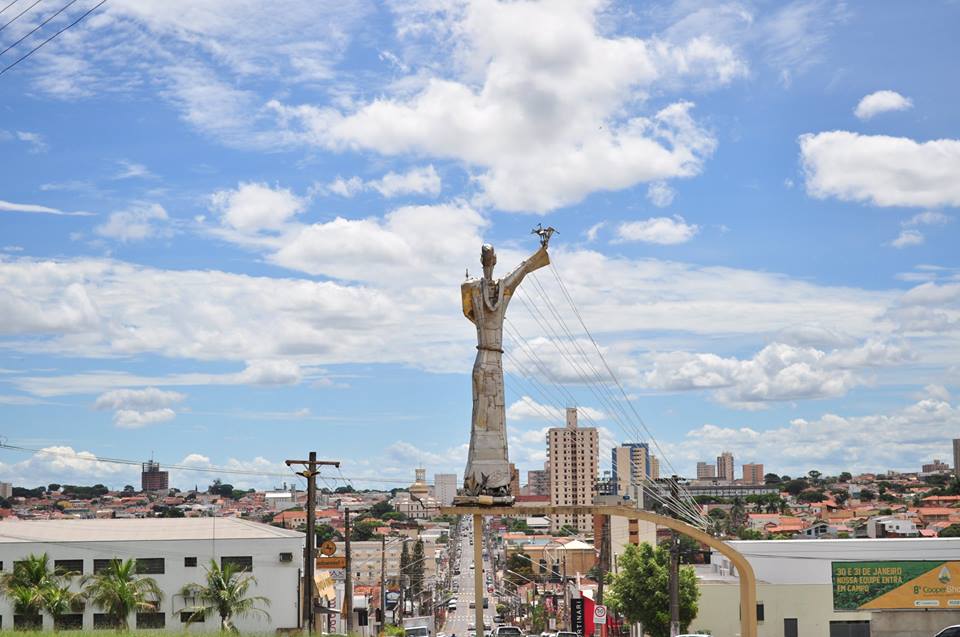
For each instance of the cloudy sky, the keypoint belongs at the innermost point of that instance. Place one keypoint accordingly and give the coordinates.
(233, 231)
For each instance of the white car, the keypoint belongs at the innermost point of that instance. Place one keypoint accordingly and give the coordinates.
(949, 631)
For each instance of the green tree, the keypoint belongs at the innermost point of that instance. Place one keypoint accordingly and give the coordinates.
(796, 487)
(639, 591)
(866, 495)
(364, 530)
(53, 486)
(845, 476)
(519, 568)
(771, 478)
(118, 591)
(225, 594)
(814, 495)
(326, 532)
(951, 531)
(814, 476)
(380, 508)
(59, 600)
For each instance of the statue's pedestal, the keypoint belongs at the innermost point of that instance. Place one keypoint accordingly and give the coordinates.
(483, 500)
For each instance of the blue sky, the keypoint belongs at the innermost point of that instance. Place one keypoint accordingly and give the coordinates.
(234, 232)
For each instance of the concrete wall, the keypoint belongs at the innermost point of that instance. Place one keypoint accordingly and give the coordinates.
(276, 580)
(912, 623)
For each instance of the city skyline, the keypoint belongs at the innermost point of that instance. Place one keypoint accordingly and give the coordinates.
(245, 238)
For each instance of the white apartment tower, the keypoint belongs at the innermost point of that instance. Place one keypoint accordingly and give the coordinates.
(573, 455)
(445, 487)
(725, 466)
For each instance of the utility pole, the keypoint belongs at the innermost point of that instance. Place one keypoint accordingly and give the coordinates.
(674, 566)
(309, 552)
(348, 577)
(604, 556)
(383, 584)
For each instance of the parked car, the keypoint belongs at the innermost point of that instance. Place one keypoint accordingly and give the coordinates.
(507, 631)
(949, 631)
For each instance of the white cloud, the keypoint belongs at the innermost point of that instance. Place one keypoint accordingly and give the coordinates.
(9, 206)
(140, 399)
(882, 170)
(928, 218)
(255, 206)
(834, 443)
(547, 119)
(778, 372)
(660, 194)
(135, 408)
(132, 170)
(881, 102)
(526, 408)
(593, 230)
(64, 465)
(35, 140)
(271, 372)
(908, 238)
(137, 223)
(660, 230)
(417, 181)
(133, 419)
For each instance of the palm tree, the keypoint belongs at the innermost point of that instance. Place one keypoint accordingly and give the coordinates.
(118, 591)
(59, 600)
(225, 595)
(27, 585)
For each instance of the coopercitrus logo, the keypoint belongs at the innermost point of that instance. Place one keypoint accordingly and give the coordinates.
(944, 575)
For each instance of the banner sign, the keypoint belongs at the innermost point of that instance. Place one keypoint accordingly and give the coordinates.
(896, 585)
(576, 615)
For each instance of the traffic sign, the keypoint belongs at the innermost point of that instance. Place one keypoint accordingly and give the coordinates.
(328, 548)
(599, 614)
(331, 562)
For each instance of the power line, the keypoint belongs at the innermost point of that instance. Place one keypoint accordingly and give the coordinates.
(39, 26)
(14, 19)
(36, 48)
(8, 6)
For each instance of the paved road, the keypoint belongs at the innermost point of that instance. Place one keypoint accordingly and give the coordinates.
(459, 620)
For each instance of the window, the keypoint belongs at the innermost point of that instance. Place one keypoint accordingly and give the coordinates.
(853, 628)
(760, 611)
(68, 566)
(69, 621)
(101, 565)
(102, 621)
(242, 562)
(189, 562)
(790, 628)
(185, 617)
(151, 620)
(27, 622)
(150, 566)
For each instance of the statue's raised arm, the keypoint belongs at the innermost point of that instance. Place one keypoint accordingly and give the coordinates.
(537, 260)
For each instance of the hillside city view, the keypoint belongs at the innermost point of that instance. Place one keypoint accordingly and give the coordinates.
(480, 318)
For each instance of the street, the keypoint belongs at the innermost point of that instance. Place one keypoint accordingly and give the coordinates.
(459, 621)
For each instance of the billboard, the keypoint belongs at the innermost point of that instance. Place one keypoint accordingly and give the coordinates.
(896, 585)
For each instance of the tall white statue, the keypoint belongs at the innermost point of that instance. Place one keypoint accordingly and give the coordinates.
(485, 303)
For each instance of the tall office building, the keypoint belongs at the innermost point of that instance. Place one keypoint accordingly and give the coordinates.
(538, 482)
(630, 464)
(753, 473)
(445, 487)
(706, 471)
(725, 466)
(152, 479)
(573, 453)
(956, 457)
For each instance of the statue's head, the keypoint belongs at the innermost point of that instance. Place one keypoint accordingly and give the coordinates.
(488, 258)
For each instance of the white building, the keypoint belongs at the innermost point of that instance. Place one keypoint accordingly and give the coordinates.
(173, 551)
(6, 490)
(445, 487)
(795, 592)
(573, 453)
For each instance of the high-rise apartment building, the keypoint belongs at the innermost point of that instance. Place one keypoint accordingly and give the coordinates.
(654, 467)
(630, 466)
(573, 453)
(937, 466)
(538, 482)
(725, 466)
(753, 473)
(152, 479)
(956, 457)
(445, 487)
(706, 471)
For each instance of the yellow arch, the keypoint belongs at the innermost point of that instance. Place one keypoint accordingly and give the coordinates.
(748, 581)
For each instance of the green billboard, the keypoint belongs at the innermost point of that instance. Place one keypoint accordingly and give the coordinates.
(896, 585)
